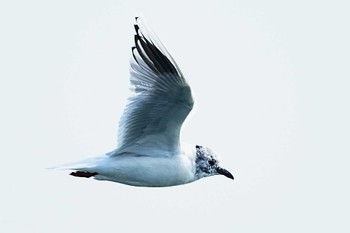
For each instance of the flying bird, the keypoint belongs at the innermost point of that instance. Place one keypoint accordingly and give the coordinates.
(149, 152)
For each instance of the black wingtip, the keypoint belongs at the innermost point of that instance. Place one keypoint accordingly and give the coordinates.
(136, 28)
(152, 55)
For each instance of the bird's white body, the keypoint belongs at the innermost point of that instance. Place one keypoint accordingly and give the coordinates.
(142, 170)
(149, 152)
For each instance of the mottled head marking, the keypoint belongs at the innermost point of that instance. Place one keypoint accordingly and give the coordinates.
(206, 162)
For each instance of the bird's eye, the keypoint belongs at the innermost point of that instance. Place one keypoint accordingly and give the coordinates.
(211, 162)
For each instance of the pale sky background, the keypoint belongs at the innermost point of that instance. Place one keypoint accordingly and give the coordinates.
(271, 81)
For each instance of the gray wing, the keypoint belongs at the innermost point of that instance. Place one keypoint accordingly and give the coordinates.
(160, 102)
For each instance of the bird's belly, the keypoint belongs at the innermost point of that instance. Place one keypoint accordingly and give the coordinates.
(146, 171)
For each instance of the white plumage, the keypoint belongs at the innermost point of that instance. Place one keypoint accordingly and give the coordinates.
(149, 152)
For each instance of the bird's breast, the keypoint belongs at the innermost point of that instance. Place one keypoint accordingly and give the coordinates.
(147, 170)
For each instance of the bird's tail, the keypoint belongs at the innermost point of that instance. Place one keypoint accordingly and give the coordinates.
(84, 168)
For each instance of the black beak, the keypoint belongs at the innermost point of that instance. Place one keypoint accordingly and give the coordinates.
(224, 172)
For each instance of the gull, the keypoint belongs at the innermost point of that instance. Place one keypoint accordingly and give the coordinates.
(149, 152)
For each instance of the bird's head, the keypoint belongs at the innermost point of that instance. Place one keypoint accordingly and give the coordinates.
(207, 164)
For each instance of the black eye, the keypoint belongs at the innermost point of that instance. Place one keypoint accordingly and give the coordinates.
(211, 162)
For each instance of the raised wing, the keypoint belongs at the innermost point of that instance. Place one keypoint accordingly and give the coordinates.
(160, 102)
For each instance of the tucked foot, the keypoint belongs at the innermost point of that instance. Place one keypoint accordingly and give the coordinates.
(83, 174)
